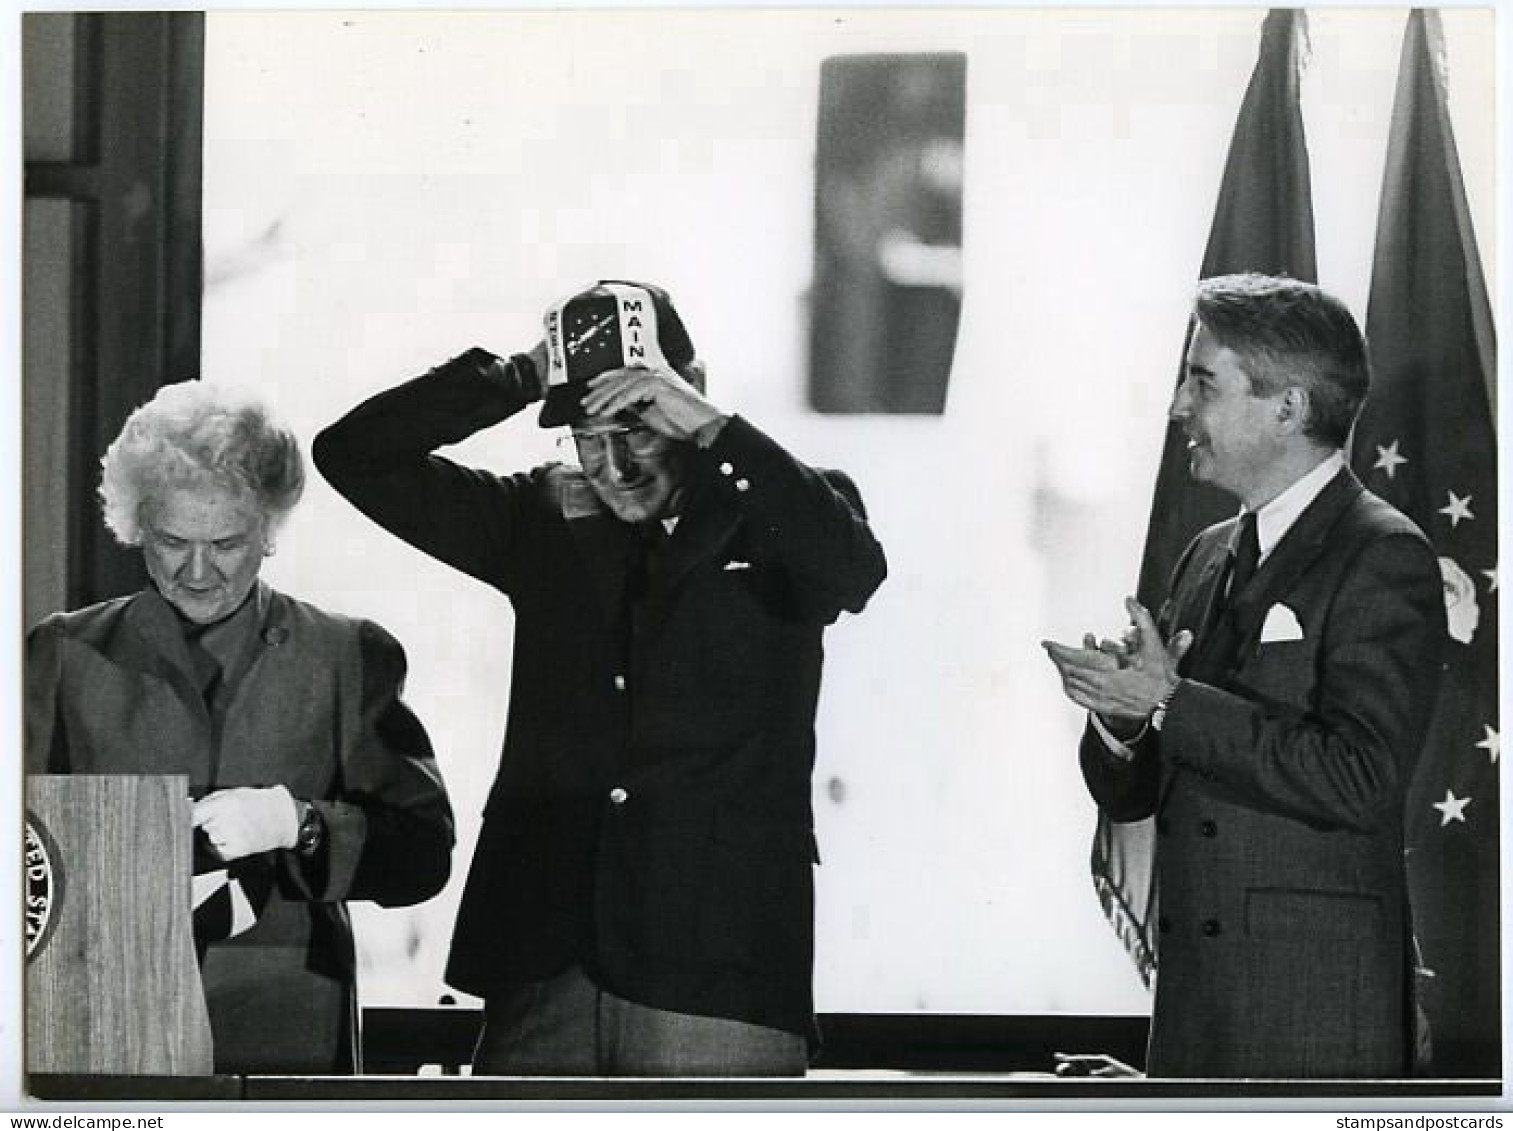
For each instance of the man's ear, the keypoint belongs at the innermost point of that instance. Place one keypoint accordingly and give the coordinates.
(1293, 409)
(693, 373)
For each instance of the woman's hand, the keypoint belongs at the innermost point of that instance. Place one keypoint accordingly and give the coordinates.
(247, 820)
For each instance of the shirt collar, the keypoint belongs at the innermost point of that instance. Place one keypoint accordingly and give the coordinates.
(1275, 519)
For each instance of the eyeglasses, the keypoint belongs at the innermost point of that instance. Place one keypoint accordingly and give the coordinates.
(636, 438)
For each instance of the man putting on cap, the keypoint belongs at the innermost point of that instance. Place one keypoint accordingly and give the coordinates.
(641, 899)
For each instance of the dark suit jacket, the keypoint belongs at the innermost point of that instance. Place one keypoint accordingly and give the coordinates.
(1277, 781)
(651, 816)
(312, 704)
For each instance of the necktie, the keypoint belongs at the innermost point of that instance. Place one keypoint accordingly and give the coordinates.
(1247, 556)
(1239, 567)
(646, 552)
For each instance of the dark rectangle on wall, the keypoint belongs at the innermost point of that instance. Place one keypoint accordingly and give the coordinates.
(886, 296)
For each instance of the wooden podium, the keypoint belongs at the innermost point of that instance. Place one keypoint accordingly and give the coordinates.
(112, 986)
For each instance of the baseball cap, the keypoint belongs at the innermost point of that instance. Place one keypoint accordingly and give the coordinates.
(613, 324)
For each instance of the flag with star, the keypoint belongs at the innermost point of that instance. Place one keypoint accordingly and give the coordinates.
(1263, 221)
(1426, 443)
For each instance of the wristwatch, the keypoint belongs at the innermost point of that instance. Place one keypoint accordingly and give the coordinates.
(312, 830)
(1158, 715)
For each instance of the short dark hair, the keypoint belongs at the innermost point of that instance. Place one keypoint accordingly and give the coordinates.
(1288, 332)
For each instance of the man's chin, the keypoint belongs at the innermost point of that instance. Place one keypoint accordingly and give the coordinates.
(631, 514)
(634, 506)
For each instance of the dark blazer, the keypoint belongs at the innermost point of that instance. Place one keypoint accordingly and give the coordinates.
(651, 816)
(313, 703)
(1277, 781)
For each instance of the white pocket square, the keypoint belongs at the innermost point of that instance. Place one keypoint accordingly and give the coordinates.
(736, 565)
(1281, 624)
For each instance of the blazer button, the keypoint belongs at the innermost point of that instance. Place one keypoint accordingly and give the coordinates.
(618, 796)
(1209, 829)
(1211, 928)
(619, 683)
(1164, 925)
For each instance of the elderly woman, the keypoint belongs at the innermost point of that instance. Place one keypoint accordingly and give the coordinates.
(314, 782)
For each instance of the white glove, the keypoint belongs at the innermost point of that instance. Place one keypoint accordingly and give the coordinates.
(245, 821)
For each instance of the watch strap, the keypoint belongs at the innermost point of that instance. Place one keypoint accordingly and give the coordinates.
(312, 830)
(1158, 715)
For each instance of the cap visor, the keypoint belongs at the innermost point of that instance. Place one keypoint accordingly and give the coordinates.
(563, 405)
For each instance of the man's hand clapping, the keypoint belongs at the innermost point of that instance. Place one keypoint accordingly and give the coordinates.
(1121, 679)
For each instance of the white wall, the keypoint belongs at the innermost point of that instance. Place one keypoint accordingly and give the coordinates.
(386, 189)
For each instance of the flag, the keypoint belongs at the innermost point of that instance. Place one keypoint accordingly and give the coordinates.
(1426, 443)
(1263, 222)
